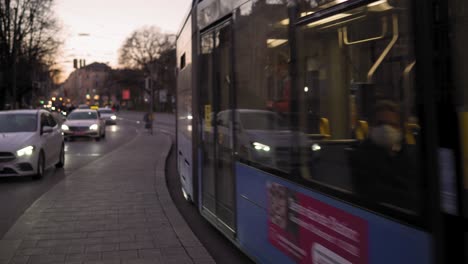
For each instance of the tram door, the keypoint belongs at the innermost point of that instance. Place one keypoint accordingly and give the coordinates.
(218, 185)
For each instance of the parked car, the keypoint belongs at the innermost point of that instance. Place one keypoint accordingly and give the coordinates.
(84, 123)
(30, 142)
(108, 115)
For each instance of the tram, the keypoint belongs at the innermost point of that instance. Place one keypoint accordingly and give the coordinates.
(327, 131)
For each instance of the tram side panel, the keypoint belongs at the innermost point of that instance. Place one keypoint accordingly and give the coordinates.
(184, 109)
(316, 227)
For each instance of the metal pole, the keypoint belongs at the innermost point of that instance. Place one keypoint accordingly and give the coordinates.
(152, 105)
(152, 96)
(14, 66)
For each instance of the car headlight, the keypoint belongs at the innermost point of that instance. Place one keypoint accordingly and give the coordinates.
(113, 117)
(316, 147)
(260, 147)
(65, 127)
(27, 151)
(94, 127)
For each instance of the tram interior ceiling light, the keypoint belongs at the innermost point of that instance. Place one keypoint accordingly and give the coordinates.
(285, 22)
(303, 14)
(325, 3)
(328, 19)
(379, 6)
(273, 43)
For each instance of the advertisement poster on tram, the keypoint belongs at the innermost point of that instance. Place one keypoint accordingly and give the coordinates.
(310, 231)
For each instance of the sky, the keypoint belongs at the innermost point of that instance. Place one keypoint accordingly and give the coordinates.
(94, 30)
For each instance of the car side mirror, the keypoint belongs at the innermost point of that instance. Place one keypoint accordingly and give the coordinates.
(46, 130)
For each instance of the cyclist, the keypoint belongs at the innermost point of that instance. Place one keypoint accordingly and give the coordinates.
(148, 118)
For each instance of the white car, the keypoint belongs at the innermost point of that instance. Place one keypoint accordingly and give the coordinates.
(83, 106)
(30, 142)
(108, 115)
(84, 123)
(263, 137)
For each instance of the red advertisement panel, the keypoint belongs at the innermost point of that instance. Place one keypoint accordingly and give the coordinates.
(126, 94)
(310, 231)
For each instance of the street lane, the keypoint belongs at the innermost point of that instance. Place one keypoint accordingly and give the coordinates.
(18, 193)
(82, 151)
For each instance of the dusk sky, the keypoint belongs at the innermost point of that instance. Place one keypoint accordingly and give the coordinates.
(94, 30)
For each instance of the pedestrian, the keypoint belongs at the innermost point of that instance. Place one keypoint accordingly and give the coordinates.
(148, 119)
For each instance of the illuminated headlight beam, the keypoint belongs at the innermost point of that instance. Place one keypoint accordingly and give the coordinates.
(260, 146)
(27, 151)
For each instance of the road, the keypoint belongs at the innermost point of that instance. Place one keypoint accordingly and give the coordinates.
(18, 194)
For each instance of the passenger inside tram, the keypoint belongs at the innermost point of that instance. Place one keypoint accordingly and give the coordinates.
(384, 167)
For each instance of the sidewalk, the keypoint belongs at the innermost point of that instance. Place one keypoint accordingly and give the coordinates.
(114, 210)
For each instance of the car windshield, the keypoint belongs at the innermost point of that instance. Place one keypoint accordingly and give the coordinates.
(14, 123)
(82, 115)
(106, 111)
(262, 121)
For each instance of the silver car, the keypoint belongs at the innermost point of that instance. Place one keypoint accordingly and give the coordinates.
(84, 123)
(108, 116)
(30, 142)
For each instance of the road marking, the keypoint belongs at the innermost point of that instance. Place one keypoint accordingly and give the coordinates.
(86, 155)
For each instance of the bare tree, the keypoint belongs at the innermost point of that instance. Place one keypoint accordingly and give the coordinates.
(144, 46)
(28, 42)
(147, 49)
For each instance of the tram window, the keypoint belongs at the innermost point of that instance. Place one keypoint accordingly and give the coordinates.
(182, 61)
(263, 84)
(356, 103)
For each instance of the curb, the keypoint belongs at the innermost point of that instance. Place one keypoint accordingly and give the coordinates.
(187, 238)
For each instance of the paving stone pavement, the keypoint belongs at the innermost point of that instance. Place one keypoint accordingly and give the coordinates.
(114, 210)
